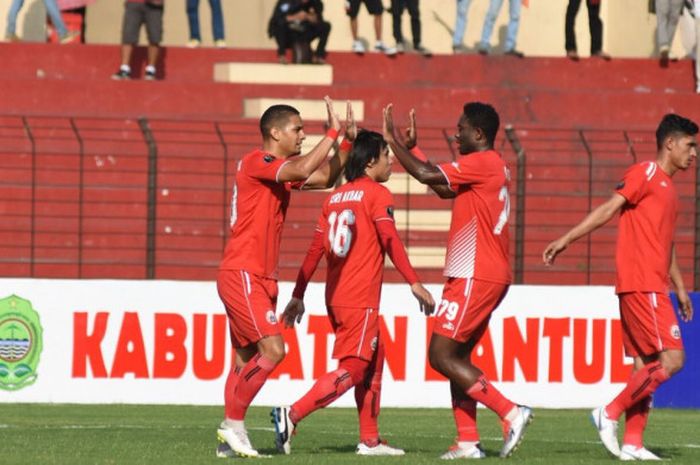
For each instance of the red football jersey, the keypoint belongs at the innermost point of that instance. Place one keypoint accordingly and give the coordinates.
(477, 245)
(258, 208)
(645, 232)
(351, 242)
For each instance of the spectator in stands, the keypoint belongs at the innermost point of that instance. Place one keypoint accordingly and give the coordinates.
(295, 21)
(460, 26)
(668, 12)
(217, 23)
(375, 8)
(397, 9)
(513, 25)
(595, 26)
(64, 36)
(136, 14)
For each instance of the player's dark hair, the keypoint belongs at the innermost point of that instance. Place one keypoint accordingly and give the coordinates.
(275, 116)
(672, 124)
(483, 116)
(367, 147)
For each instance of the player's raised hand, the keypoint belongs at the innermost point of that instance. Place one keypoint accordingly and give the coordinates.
(333, 119)
(685, 306)
(411, 131)
(293, 312)
(388, 124)
(552, 250)
(350, 123)
(427, 304)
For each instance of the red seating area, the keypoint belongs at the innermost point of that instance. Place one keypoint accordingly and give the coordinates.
(105, 179)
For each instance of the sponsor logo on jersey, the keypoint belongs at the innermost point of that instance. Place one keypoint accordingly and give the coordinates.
(20, 343)
(448, 326)
(620, 185)
(268, 158)
(390, 211)
(675, 332)
(270, 317)
(663, 184)
(373, 344)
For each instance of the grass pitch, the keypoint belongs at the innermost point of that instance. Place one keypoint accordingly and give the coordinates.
(174, 435)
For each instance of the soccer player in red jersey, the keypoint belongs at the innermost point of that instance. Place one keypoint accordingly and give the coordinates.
(645, 260)
(354, 232)
(247, 280)
(476, 268)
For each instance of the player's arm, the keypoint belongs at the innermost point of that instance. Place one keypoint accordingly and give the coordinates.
(411, 142)
(424, 171)
(685, 306)
(391, 242)
(295, 308)
(301, 168)
(327, 174)
(594, 220)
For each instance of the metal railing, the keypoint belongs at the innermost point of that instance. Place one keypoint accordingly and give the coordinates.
(121, 198)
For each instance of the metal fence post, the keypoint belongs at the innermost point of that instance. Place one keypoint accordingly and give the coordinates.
(32, 219)
(590, 201)
(519, 203)
(152, 198)
(81, 190)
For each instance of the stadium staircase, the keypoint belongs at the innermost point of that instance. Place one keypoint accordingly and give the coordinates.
(132, 179)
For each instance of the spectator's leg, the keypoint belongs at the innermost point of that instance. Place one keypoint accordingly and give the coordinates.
(127, 50)
(571, 12)
(11, 30)
(460, 22)
(55, 15)
(154, 31)
(489, 21)
(153, 50)
(193, 19)
(673, 17)
(513, 24)
(378, 27)
(414, 13)
(283, 39)
(595, 25)
(663, 8)
(322, 30)
(397, 7)
(353, 27)
(217, 19)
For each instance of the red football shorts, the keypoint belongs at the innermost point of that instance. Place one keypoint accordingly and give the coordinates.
(356, 332)
(250, 302)
(466, 306)
(649, 323)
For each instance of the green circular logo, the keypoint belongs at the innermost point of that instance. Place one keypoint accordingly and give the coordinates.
(20, 343)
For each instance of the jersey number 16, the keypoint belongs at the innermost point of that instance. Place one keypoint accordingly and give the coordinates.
(339, 232)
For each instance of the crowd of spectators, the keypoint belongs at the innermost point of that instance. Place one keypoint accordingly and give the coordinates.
(296, 24)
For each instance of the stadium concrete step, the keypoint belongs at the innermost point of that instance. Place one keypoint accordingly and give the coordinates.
(424, 257)
(310, 109)
(273, 73)
(423, 220)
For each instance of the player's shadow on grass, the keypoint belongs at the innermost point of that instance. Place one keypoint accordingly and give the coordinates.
(340, 449)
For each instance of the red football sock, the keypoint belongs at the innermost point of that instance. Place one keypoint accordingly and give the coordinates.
(483, 391)
(642, 384)
(250, 380)
(464, 411)
(367, 398)
(636, 421)
(230, 389)
(329, 387)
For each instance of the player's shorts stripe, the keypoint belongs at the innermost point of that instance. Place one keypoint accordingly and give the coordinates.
(467, 294)
(246, 291)
(652, 309)
(364, 330)
(252, 373)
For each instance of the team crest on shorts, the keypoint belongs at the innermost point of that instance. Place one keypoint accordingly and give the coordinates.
(675, 332)
(373, 344)
(270, 317)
